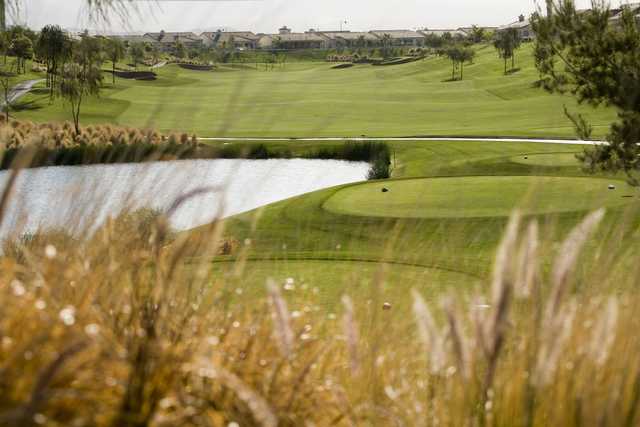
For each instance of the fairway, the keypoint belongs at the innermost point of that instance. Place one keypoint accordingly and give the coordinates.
(326, 281)
(469, 197)
(312, 99)
(555, 159)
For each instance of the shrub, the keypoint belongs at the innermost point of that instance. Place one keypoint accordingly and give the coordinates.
(380, 168)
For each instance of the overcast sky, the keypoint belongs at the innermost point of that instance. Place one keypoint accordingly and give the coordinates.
(268, 15)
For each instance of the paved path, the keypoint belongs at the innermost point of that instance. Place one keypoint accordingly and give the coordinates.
(416, 138)
(21, 89)
(159, 64)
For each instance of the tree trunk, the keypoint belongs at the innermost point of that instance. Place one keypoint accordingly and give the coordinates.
(6, 102)
(505, 65)
(76, 115)
(461, 70)
(513, 62)
(114, 72)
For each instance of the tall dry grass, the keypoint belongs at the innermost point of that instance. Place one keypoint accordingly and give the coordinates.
(23, 134)
(126, 327)
(59, 144)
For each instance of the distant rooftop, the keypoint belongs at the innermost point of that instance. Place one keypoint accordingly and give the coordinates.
(397, 33)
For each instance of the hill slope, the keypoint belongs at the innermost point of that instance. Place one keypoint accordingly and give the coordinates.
(312, 99)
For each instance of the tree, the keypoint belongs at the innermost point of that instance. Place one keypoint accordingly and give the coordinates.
(506, 43)
(596, 59)
(156, 54)
(89, 51)
(478, 34)
(79, 81)
(433, 40)
(458, 56)
(4, 45)
(387, 45)
(454, 54)
(7, 76)
(466, 55)
(115, 52)
(82, 76)
(22, 49)
(51, 47)
(136, 51)
(180, 50)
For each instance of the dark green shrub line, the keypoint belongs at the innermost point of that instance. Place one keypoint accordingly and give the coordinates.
(376, 153)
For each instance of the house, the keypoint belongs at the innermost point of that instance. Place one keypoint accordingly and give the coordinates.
(469, 30)
(522, 27)
(336, 39)
(288, 40)
(131, 39)
(168, 40)
(332, 38)
(240, 40)
(441, 32)
(400, 37)
(616, 14)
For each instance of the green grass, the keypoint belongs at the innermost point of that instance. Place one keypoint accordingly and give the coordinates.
(445, 240)
(311, 99)
(568, 159)
(328, 281)
(468, 197)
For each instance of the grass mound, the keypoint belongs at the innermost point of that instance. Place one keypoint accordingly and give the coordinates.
(468, 197)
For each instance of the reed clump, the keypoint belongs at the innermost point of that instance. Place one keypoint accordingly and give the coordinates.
(128, 326)
(59, 144)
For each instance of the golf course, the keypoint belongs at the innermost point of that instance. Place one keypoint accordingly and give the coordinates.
(440, 217)
(434, 225)
(300, 99)
(245, 223)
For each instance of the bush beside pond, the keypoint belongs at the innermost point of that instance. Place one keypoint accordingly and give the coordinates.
(57, 144)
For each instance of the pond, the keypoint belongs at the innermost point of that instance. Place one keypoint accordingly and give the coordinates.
(79, 197)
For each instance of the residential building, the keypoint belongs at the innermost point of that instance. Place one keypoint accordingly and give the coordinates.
(240, 40)
(400, 37)
(616, 14)
(522, 27)
(349, 39)
(441, 32)
(130, 39)
(469, 30)
(287, 40)
(168, 40)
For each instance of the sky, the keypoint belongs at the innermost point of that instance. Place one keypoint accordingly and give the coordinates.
(269, 15)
